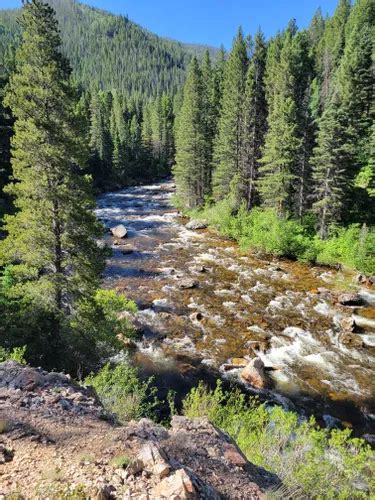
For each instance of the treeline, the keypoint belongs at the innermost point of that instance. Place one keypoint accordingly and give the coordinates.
(129, 141)
(111, 52)
(286, 125)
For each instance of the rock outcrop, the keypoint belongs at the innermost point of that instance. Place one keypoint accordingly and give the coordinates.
(54, 442)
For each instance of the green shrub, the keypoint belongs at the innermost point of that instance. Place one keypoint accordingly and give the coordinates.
(15, 354)
(312, 462)
(264, 231)
(96, 330)
(120, 461)
(353, 247)
(123, 393)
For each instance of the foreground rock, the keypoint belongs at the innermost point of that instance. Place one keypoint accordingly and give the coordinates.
(119, 231)
(55, 443)
(254, 374)
(196, 224)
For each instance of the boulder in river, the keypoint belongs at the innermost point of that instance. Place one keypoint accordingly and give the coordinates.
(196, 224)
(350, 299)
(365, 280)
(187, 283)
(348, 324)
(119, 231)
(254, 374)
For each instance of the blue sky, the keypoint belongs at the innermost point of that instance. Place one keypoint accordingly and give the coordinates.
(210, 22)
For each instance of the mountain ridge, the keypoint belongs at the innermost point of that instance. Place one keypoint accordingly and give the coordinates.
(110, 51)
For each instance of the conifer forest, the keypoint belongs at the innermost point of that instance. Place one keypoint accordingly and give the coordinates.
(108, 131)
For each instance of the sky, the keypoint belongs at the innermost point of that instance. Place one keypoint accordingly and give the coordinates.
(210, 22)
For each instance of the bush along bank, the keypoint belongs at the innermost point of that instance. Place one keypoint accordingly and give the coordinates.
(263, 230)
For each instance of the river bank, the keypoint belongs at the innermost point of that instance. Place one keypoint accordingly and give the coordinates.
(203, 302)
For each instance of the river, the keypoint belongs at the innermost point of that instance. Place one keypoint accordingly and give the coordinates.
(284, 310)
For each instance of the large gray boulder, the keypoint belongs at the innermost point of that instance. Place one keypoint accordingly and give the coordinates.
(119, 231)
(196, 224)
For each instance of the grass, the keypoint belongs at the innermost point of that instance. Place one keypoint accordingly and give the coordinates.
(120, 461)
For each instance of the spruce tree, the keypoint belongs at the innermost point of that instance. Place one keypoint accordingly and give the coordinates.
(331, 166)
(101, 148)
(50, 239)
(6, 128)
(351, 120)
(190, 167)
(282, 144)
(304, 72)
(332, 47)
(229, 148)
(210, 117)
(254, 121)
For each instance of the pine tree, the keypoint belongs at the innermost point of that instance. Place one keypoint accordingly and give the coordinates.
(167, 135)
(332, 47)
(228, 149)
(147, 159)
(101, 148)
(50, 239)
(210, 117)
(352, 97)
(254, 121)
(282, 144)
(189, 170)
(218, 78)
(331, 171)
(304, 72)
(6, 126)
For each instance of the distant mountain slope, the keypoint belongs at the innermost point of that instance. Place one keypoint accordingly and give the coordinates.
(112, 51)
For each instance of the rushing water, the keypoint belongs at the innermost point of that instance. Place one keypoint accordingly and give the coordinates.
(284, 310)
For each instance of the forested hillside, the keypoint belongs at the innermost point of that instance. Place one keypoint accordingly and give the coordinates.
(289, 147)
(111, 52)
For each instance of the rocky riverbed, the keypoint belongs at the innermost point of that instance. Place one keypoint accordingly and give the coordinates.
(206, 309)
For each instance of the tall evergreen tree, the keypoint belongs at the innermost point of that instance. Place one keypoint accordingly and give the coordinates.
(330, 172)
(100, 161)
(282, 144)
(254, 121)
(190, 167)
(210, 116)
(304, 72)
(332, 47)
(349, 117)
(229, 148)
(50, 239)
(6, 126)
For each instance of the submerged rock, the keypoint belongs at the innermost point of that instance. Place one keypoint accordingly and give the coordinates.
(119, 231)
(196, 224)
(254, 374)
(127, 251)
(350, 299)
